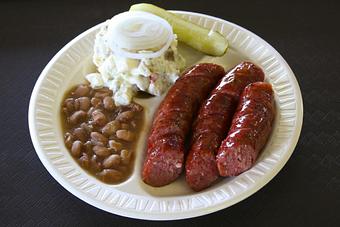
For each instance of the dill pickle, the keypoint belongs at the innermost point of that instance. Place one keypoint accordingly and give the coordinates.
(204, 40)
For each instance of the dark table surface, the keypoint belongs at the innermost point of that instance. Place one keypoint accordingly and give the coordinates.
(305, 193)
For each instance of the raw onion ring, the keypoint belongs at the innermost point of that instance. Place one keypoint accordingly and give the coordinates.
(139, 35)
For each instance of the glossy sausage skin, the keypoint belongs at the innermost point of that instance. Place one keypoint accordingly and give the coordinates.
(249, 131)
(213, 122)
(172, 123)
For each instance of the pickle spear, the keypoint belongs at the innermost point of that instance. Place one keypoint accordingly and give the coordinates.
(204, 40)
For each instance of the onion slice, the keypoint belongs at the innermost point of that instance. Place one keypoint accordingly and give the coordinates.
(139, 35)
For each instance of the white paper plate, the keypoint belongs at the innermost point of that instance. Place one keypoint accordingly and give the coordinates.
(133, 198)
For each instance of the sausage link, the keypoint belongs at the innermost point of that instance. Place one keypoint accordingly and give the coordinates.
(250, 130)
(172, 123)
(213, 122)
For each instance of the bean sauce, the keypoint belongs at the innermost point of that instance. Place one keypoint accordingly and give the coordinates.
(99, 135)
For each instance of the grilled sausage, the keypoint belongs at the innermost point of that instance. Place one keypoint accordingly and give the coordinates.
(172, 123)
(212, 124)
(249, 131)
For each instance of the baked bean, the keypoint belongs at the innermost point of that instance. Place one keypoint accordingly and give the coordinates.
(101, 151)
(99, 118)
(87, 127)
(101, 94)
(125, 156)
(76, 104)
(135, 107)
(96, 102)
(83, 103)
(124, 134)
(104, 89)
(80, 134)
(110, 175)
(125, 116)
(69, 104)
(76, 148)
(98, 139)
(66, 112)
(88, 148)
(77, 117)
(81, 90)
(69, 140)
(112, 161)
(84, 161)
(108, 103)
(115, 145)
(110, 128)
(90, 111)
(95, 164)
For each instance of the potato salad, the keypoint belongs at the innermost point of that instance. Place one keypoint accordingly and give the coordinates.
(135, 51)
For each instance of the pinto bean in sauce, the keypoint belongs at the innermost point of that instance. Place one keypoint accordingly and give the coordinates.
(99, 135)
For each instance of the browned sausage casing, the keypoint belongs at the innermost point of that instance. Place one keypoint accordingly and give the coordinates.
(172, 123)
(249, 131)
(212, 124)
